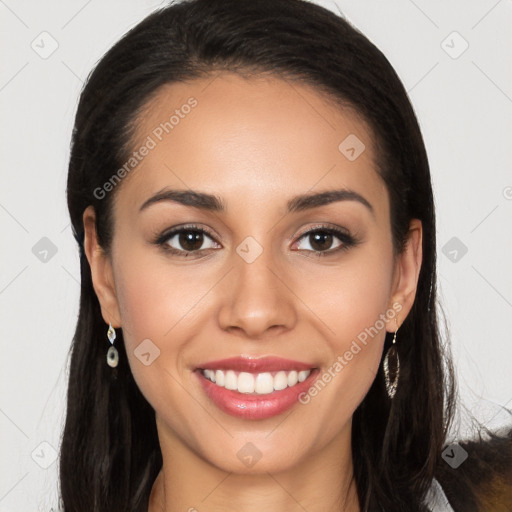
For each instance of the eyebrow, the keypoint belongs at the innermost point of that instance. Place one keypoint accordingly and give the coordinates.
(214, 203)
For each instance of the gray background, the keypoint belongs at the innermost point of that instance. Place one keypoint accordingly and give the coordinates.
(463, 98)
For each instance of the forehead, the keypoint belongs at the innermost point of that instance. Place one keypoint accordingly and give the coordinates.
(249, 140)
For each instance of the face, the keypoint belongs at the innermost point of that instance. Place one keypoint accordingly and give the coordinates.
(265, 275)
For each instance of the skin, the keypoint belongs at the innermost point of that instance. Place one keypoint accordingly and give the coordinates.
(256, 143)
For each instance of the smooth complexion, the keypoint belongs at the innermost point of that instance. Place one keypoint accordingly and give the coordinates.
(256, 144)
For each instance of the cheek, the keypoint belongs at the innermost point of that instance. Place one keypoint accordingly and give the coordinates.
(356, 309)
(356, 296)
(154, 304)
(355, 306)
(153, 297)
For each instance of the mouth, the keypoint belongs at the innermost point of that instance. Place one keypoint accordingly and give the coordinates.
(255, 388)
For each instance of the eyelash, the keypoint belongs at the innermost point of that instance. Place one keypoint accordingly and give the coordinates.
(346, 239)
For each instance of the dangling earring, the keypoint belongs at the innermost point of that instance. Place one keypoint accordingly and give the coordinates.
(112, 354)
(392, 367)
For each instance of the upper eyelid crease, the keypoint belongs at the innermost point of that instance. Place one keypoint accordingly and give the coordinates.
(214, 203)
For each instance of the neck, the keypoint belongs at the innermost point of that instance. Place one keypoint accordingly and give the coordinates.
(321, 483)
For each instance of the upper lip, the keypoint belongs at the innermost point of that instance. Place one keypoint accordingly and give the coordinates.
(257, 365)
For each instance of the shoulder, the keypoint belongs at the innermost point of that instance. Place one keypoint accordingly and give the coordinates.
(476, 475)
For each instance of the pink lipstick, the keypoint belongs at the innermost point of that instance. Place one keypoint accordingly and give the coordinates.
(255, 389)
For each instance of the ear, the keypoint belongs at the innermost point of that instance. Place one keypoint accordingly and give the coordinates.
(101, 271)
(406, 273)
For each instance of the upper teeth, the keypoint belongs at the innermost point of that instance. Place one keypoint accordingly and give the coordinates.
(260, 383)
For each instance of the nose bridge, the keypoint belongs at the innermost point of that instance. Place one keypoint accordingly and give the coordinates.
(258, 299)
(254, 261)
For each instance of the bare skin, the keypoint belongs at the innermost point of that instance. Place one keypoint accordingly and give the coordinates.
(256, 143)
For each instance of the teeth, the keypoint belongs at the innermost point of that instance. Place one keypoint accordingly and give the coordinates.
(256, 383)
(303, 375)
(280, 380)
(231, 380)
(245, 382)
(264, 383)
(292, 378)
(219, 377)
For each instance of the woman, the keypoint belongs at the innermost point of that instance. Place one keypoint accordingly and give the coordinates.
(251, 195)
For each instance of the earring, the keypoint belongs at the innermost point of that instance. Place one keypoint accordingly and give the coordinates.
(112, 354)
(392, 367)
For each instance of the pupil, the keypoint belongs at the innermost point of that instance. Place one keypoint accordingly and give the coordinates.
(191, 240)
(320, 239)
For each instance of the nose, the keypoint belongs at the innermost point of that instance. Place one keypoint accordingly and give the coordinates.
(258, 298)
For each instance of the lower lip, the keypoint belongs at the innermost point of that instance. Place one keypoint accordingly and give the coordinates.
(255, 407)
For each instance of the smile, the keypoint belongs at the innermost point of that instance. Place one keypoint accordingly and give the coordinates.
(255, 388)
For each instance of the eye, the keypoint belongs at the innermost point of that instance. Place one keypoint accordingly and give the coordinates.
(186, 240)
(320, 240)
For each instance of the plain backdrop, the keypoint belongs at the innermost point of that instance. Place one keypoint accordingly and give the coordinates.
(454, 59)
